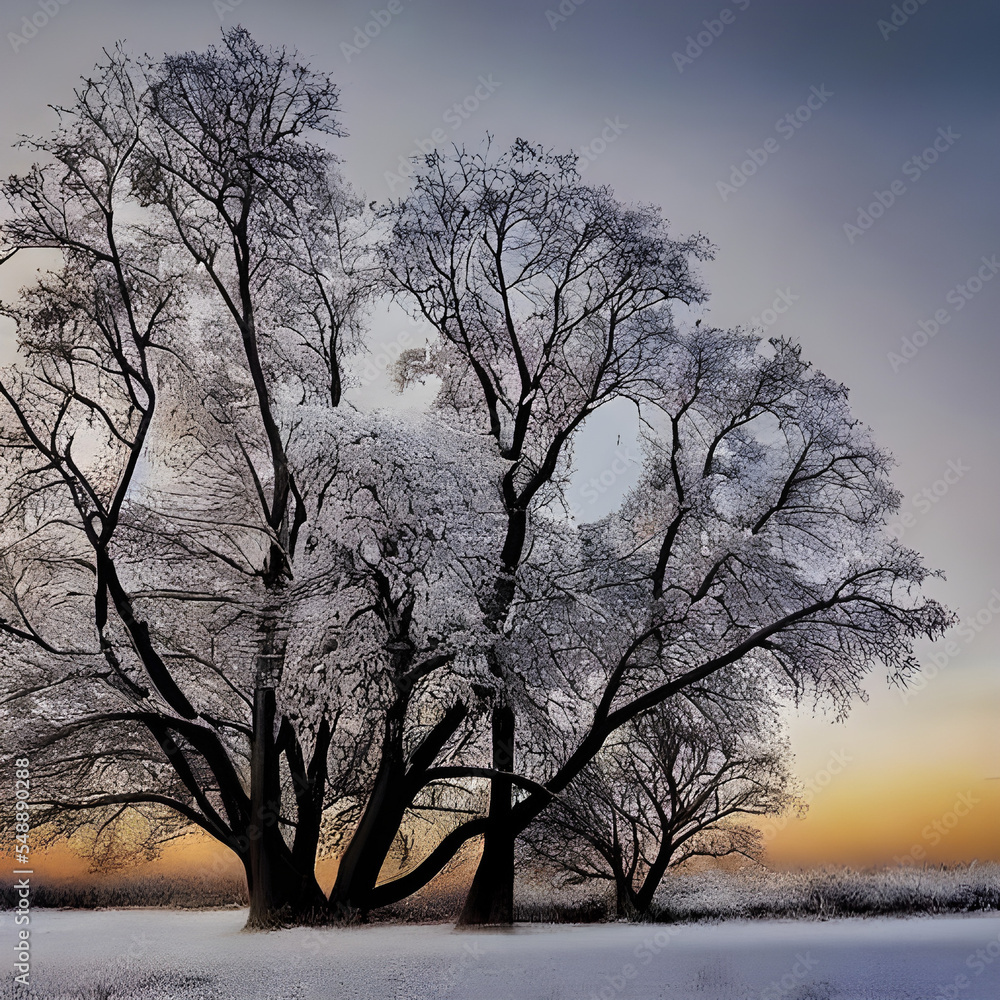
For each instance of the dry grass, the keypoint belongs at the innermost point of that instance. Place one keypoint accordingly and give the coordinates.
(146, 890)
(752, 893)
(838, 892)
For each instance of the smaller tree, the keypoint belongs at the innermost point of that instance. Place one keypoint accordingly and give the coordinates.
(666, 790)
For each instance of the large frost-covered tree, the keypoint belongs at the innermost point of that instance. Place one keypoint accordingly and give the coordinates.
(231, 599)
(146, 466)
(755, 540)
(216, 581)
(551, 299)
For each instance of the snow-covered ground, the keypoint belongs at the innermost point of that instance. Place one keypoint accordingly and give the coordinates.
(165, 954)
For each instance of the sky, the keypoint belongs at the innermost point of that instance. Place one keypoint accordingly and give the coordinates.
(842, 157)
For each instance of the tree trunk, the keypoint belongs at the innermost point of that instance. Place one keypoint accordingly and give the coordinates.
(625, 899)
(371, 842)
(264, 796)
(281, 891)
(624, 893)
(491, 897)
(295, 897)
(644, 897)
(396, 785)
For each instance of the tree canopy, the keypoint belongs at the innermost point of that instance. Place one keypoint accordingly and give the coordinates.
(237, 595)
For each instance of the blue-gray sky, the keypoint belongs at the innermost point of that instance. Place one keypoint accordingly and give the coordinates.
(666, 118)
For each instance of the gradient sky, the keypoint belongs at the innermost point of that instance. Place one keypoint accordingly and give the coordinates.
(605, 76)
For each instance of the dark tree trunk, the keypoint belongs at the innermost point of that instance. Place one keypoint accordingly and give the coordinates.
(644, 897)
(371, 842)
(294, 895)
(396, 785)
(491, 896)
(625, 899)
(282, 888)
(264, 800)
(624, 893)
(310, 789)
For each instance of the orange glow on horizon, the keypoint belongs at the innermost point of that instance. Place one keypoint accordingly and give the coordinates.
(938, 818)
(892, 819)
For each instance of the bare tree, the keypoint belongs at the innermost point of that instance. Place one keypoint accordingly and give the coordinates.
(258, 589)
(666, 788)
(755, 542)
(231, 599)
(141, 481)
(549, 297)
